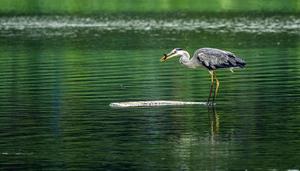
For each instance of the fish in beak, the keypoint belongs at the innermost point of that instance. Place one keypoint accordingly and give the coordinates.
(167, 56)
(164, 58)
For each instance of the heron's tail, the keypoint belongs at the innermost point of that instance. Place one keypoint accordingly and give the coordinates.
(240, 62)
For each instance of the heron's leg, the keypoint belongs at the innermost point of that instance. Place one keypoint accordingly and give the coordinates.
(217, 86)
(211, 86)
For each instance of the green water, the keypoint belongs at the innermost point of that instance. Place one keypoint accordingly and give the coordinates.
(117, 6)
(58, 75)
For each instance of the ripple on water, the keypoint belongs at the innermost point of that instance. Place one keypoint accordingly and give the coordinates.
(290, 24)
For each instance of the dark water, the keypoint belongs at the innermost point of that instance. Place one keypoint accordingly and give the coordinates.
(59, 74)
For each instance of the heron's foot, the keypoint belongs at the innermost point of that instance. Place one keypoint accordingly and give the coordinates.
(210, 103)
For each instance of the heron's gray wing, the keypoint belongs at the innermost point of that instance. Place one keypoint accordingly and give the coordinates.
(215, 58)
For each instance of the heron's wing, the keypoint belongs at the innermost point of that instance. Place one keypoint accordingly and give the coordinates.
(215, 58)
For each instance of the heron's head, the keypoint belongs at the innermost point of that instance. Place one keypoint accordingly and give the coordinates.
(173, 53)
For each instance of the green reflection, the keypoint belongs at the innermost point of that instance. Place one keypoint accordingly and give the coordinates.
(56, 88)
(95, 6)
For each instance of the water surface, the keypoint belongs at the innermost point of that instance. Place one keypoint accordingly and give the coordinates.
(59, 74)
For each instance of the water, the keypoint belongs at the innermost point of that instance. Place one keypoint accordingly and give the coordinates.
(59, 74)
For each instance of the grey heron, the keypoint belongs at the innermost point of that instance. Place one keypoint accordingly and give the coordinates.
(209, 58)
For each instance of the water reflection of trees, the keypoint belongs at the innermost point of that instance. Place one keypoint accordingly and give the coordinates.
(93, 6)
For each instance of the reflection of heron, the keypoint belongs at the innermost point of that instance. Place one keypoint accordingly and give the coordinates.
(214, 123)
(209, 58)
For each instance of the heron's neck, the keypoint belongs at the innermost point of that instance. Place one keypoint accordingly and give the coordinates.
(185, 59)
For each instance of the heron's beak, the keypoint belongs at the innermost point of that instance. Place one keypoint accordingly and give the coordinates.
(167, 56)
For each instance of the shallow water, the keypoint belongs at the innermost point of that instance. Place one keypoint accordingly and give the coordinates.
(59, 74)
